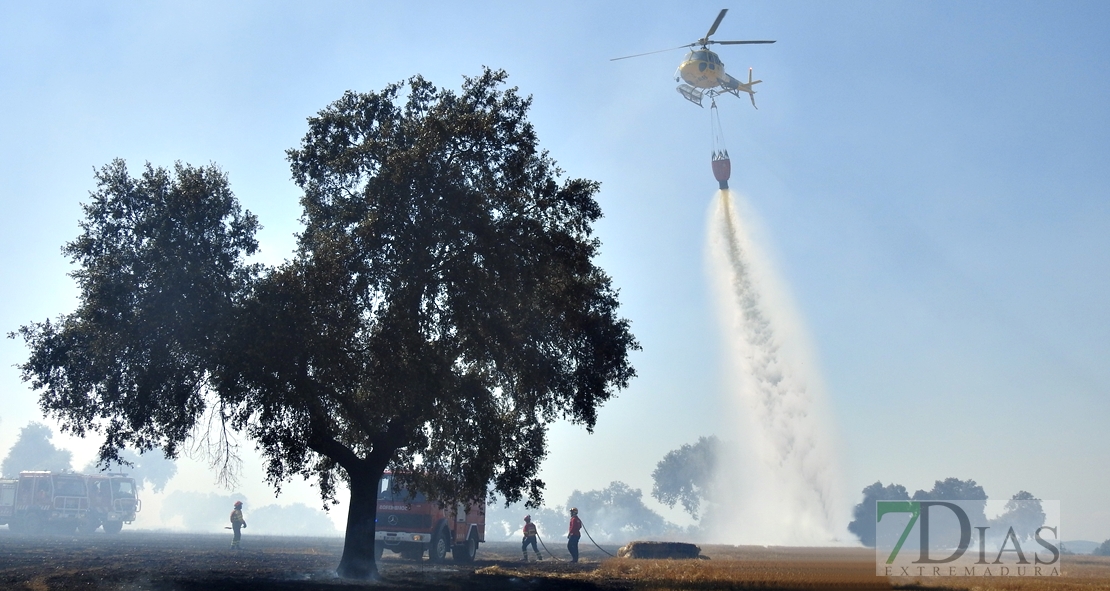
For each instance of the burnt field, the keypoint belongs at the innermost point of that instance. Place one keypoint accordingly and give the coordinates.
(144, 560)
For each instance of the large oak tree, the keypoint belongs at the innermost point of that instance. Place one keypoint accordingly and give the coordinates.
(442, 308)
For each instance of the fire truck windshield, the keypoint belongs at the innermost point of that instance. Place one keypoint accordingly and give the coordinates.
(123, 488)
(386, 492)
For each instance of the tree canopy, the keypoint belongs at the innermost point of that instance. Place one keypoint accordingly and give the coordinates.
(617, 514)
(33, 450)
(685, 475)
(1023, 511)
(442, 307)
(863, 524)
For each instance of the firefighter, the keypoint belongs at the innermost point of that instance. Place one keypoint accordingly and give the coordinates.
(572, 534)
(237, 523)
(530, 535)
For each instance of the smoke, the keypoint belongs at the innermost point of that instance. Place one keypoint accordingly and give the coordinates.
(781, 476)
(210, 512)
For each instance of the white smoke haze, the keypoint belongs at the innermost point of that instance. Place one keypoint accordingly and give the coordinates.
(779, 483)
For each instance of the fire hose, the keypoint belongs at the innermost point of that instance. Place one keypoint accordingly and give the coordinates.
(592, 540)
(549, 552)
(552, 554)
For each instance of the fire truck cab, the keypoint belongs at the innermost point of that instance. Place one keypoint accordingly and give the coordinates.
(409, 525)
(113, 501)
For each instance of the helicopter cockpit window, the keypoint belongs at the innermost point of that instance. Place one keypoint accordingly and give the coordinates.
(701, 55)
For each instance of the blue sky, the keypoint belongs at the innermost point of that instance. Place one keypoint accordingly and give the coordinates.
(930, 178)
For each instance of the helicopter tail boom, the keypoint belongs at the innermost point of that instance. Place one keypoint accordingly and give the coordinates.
(735, 86)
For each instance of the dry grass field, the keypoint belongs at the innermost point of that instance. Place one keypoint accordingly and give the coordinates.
(754, 567)
(186, 562)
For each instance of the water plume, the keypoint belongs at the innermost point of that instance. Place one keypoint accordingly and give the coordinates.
(779, 484)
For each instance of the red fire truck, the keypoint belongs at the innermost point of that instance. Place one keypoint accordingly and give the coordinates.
(64, 502)
(411, 525)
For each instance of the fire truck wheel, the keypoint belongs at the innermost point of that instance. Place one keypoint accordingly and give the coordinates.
(113, 527)
(437, 550)
(465, 552)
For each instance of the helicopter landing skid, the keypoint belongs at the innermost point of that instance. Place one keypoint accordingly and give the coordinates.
(695, 95)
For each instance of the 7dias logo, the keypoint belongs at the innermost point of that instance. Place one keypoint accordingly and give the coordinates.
(935, 538)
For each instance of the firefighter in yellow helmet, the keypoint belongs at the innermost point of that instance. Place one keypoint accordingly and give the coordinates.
(237, 523)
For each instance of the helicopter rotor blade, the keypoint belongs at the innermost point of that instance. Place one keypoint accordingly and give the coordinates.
(651, 52)
(713, 29)
(739, 42)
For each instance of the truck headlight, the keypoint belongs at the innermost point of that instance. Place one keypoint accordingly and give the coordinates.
(417, 537)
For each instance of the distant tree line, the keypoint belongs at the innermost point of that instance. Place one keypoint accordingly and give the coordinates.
(1023, 511)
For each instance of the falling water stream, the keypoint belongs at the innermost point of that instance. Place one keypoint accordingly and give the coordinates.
(779, 483)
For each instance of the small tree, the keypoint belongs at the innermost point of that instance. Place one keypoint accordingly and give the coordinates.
(33, 450)
(1024, 513)
(441, 310)
(863, 524)
(684, 475)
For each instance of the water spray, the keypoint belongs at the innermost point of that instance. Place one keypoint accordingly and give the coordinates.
(782, 484)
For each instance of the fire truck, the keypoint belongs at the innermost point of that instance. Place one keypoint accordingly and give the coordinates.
(410, 525)
(64, 502)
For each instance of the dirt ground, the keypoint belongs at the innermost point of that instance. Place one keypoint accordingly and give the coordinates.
(159, 561)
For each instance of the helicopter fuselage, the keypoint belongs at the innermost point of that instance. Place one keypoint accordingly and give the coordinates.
(702, 68)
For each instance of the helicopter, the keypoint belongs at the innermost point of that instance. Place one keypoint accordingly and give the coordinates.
(704, 72)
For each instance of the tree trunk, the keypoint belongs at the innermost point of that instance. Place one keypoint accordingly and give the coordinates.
(358, 546)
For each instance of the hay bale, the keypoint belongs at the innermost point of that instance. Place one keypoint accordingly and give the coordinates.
(677, 550)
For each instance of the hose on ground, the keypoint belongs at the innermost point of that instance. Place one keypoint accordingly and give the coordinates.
(592, 540)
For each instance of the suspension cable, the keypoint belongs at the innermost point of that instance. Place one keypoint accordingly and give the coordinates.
(717, 133)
